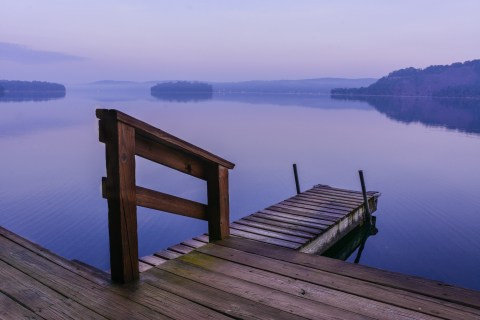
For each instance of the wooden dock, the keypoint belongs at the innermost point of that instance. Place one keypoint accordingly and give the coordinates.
(310, 222)
(233, 278)
(249, 269)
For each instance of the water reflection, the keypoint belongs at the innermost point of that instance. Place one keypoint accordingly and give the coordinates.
(457, 114)
(183, 97)
(313, 100)
(356, 239)
(31, 96)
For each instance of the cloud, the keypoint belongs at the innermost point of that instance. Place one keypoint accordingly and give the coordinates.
(18, 53)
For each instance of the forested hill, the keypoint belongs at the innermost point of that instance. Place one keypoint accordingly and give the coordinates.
(455, 80)
(30, 86)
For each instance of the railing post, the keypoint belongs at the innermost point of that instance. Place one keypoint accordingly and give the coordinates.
(122, 210)
(218, 206)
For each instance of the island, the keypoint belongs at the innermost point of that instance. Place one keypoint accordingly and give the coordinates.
(458, 80)
(182, 91)
(14, 90)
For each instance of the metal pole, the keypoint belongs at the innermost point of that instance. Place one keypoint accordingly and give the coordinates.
(295, 173)
(365, 199)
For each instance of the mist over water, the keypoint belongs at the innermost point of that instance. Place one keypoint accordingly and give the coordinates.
(421, 155)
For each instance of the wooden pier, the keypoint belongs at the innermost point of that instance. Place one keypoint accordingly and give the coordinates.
(310, 222)
(253, 268)
(233, 278)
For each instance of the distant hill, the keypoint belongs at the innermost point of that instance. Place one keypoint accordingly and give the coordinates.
(12, 91)
(30, 86)
(320, 85)
(455, 80)
(182, 91)
(181, 87)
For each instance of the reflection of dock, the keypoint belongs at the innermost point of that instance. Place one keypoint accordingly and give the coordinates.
(251, 270)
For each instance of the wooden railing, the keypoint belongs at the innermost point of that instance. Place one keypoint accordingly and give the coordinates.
(125, 137)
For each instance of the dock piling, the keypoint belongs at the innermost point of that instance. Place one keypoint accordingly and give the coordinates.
(295, 173)
(368, 214)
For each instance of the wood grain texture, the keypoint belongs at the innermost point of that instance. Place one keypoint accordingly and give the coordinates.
(164, 202)
(122, 209)
(172, 158)
(218, 203)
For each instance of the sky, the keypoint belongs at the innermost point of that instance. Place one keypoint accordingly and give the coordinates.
(219, 40)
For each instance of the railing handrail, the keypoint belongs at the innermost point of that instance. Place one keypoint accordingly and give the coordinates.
(160, 136)
(125, 137)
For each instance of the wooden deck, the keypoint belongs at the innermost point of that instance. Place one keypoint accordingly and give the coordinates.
(310, 222)
(233, 278)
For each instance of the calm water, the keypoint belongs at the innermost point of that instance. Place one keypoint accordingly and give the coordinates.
(422, 155)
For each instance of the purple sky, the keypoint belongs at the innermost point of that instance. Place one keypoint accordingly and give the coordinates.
(218, 40)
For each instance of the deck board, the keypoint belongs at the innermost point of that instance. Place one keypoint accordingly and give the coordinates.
(235, 277)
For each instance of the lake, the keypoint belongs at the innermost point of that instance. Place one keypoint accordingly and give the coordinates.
(421, 154)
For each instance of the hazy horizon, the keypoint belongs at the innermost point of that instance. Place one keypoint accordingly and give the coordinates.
(216, 41)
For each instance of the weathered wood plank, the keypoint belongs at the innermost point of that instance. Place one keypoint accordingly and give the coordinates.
(294, 219)
(384, 278)
(271, 234)
(324, 202)
(168, 304)
(152, 260)
(86, 273)
(306, 290)
(338, 191)
(164, 202)
(193, 243)
(330, 208)
(41, 299)
(328, 212)
(305, 213)
(69, 284)
(13, 310)
(291, 304)
(396, 297)
(266, 239)
(180, 248)
(167, 254)
(212, 298)
(279, 223)
(321, 196)
(172, 158)
(267, 226)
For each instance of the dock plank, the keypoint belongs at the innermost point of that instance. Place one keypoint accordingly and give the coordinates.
(311, 229)
(210, 297)
(306, 290)
(268, 233)
(280, 229)
(294, 219)
(357, 287)
(261, 294)
(11, 309)
(41, 299)
(67, 283)
(434, 289)
(265, 239)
